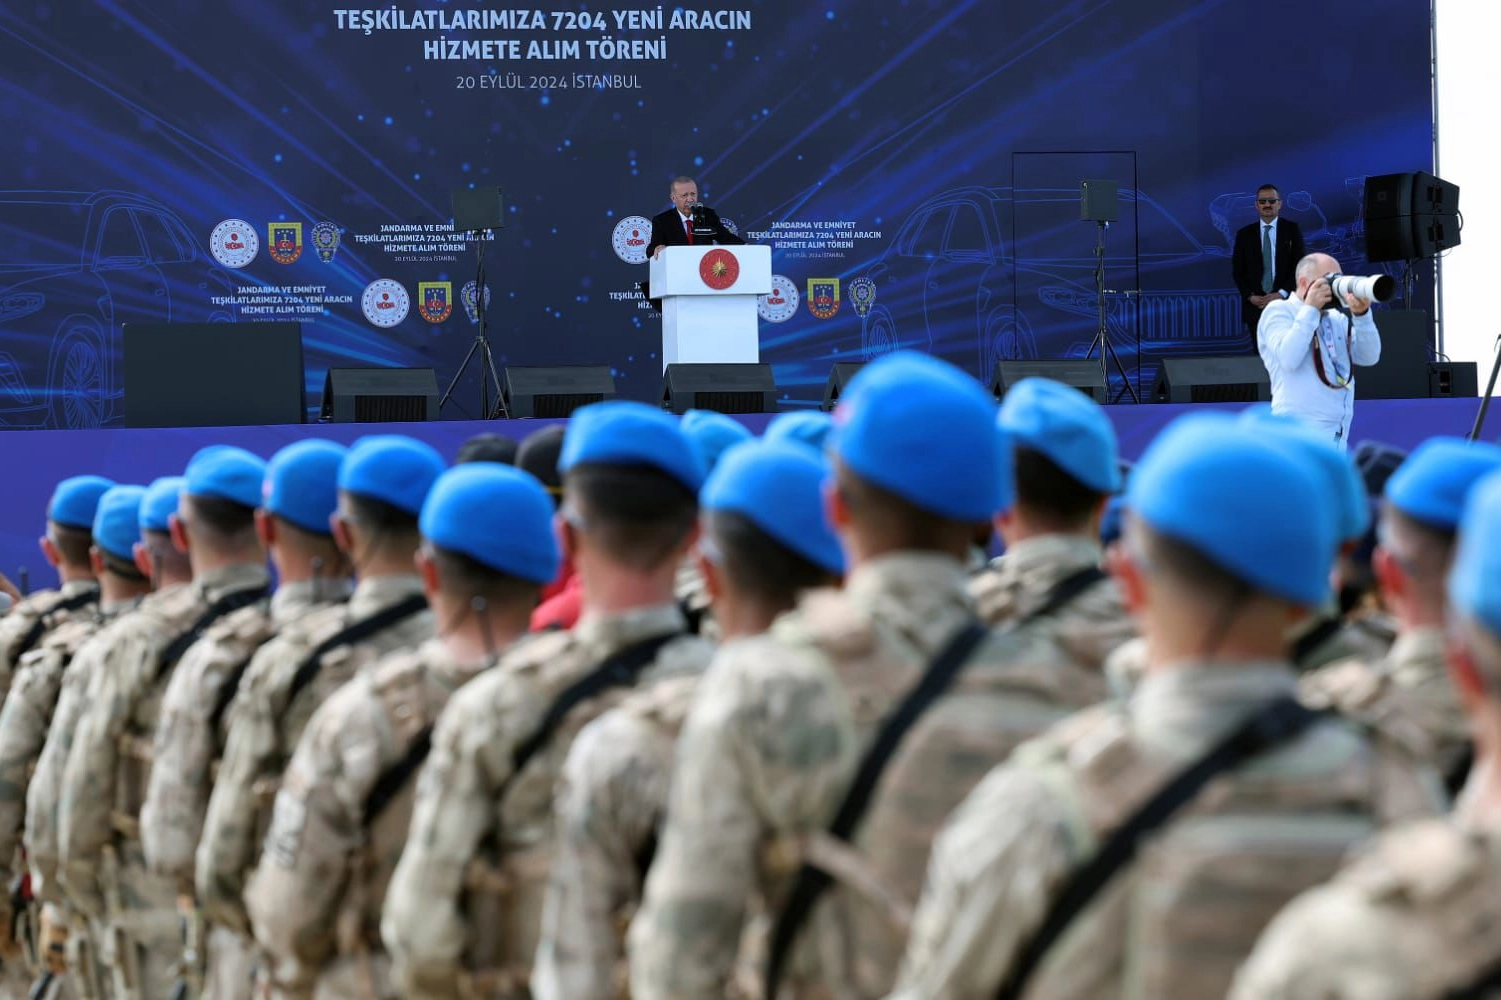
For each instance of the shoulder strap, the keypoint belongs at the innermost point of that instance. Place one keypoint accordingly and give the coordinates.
(43, 621)
(695, 617)
(395, 777)
(1485, 985)
(348, 636)
(1267, 727)
(227, 689)
(1459, 771)
(619, 670)
(811, 882)
(232, 601)
(1314, 638)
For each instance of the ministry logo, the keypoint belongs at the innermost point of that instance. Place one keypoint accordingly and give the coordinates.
(780, 304)
(234, 243)
(631, 235)
(385, 302)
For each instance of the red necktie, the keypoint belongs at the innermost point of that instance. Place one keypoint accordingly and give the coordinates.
(688, 228)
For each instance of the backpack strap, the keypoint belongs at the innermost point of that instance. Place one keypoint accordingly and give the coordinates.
(810, 882)
(394, 778)
(230, 602)
(1315, 637)
(39, 627)
(1270, 726)
(348, 636)
(227, 690)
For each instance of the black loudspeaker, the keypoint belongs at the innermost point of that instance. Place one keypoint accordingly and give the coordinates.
(730, 388)
(379, 395)
(1402, 372)
(1082, 374)
(1241, 379)
(1099, 201)
(839, 378)
(556, 392)
(1409, 216)
(213, 374)
(1453, 378)
(476, 209)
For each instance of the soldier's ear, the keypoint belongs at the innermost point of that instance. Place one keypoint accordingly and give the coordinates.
(49, 551)
(1388, 572)
(179, 533)
(143, 561)
(96, 561)
(1129, 577)
(265, 528)
(427, 569)
(836, 508)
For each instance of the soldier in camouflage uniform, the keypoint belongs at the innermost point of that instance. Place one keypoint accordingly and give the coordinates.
(29, 709)
(70, 516)
(1424, 500)
(168, 571)
(300, 494)
(463, 910)
(342, 814)
(1414, 915)
(1067, 466)
(764, 542)
(782, 723)
(109, 765)
(383, 482)
(1216, 571)
(711, 436)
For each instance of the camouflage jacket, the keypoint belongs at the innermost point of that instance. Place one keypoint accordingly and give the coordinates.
(189, 739)
(18, 627)
(773, 740)
(265, 723)
(1221, 867)
(315, 899)
(109, 763)
(1414, 916)
(464, 906)
(1088, 628)
(610, 801)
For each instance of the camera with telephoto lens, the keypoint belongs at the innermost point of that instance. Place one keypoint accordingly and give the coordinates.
(1371, 287)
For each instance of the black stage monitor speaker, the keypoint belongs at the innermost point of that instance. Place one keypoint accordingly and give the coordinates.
(1099, 201)
(1453, 378)
(733, 388)
(1241, 379)
(379, 395)
(839, 378)
(1409, 216)
(1402, 372)
(558, 391)
(213, 374)
(1082, 374)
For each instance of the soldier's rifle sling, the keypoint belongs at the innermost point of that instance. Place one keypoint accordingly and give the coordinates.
(810, 882)
(43, 622)
(1272, 725)
(349, 635)
(229, 603)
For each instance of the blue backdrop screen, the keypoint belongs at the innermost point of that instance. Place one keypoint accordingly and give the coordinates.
(914, 164)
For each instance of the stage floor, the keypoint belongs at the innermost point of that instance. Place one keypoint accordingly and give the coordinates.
(34, 461)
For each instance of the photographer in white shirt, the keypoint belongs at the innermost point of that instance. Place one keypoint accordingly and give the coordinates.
(1309, 346)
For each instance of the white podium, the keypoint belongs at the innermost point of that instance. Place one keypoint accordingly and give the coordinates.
(708, 298)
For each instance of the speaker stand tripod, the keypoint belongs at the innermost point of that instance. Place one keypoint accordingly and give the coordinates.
(1102, 333)
(481, 346)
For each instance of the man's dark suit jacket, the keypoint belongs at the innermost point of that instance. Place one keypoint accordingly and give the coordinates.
(1245, 263)
(667, 230)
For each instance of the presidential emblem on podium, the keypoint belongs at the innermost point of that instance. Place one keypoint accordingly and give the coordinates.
(435, 300)
(719, 269)
(286, 242)
(823, 297)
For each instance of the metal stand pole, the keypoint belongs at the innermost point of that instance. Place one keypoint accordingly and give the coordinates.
(1102, 334)
(1485, 400)
(481, 346)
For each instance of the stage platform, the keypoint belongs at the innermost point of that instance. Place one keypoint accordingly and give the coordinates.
(34, 461)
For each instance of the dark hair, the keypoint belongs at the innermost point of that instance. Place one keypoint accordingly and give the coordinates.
(1052, 495)
(487, 448)
(637, 514)
(463, 576)
(72, 543)
(761, 566)
(1270, 187)
(1170, 557)
(539, 453)
(380, 519)
(125, 569)
(158, 545)
(221, 518)
(902, 525)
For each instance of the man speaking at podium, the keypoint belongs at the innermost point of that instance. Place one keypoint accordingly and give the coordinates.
(687, 223)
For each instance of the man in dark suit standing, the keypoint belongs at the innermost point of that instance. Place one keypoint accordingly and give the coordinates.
(681, 226)
(1266, 257)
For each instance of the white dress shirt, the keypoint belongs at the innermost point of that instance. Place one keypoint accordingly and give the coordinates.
(1285, 340)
